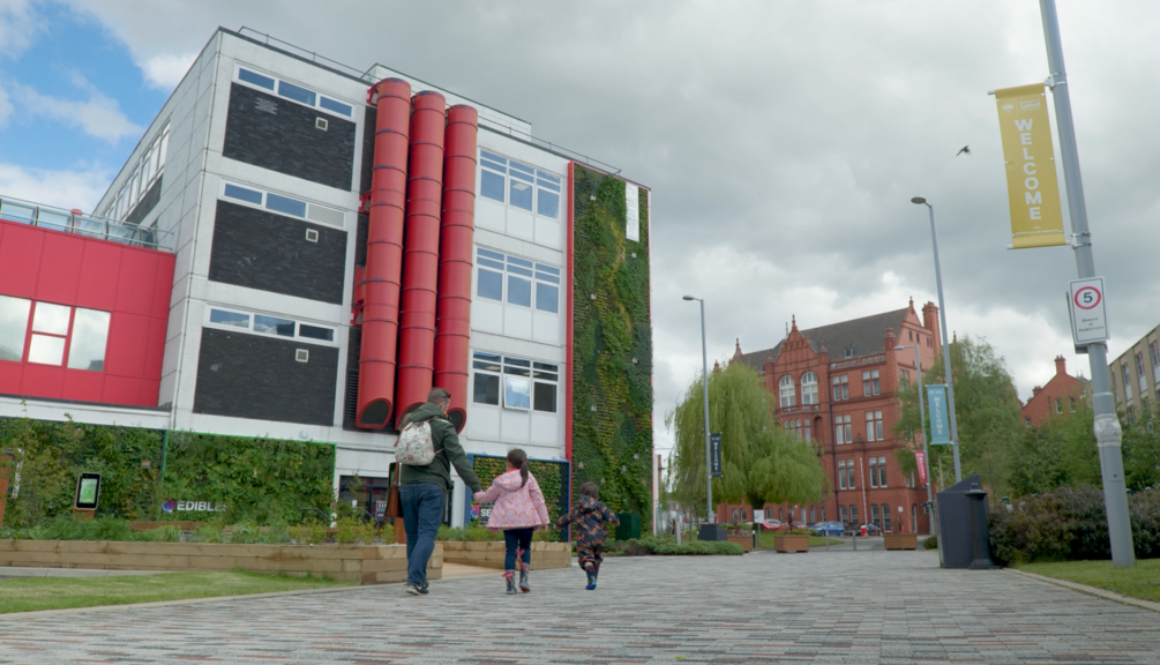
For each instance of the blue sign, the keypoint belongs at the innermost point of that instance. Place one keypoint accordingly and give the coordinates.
(936, 402)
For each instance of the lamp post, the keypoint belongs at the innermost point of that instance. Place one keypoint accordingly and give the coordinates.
(922, 430)
(942, 312)
(705, 384)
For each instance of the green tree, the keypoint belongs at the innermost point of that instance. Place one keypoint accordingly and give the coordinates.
(1141, 449)
(1060, 452)
(988, 412)
(761, 462)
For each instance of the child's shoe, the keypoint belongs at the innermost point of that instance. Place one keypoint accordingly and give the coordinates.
(591, 581)
(524, 586)
(510, 576)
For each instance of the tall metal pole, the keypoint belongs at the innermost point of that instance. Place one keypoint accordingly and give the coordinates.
(925, 449)
(942, 312)
(1107, 425)
(708, 456)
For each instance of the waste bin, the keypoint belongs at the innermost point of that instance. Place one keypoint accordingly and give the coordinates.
(963, 540)
(629, 526)
(714, 532)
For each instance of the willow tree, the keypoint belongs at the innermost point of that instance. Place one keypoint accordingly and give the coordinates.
(760, 461)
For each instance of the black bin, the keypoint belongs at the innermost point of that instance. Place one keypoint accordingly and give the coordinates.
(963, 539)
(629, 526)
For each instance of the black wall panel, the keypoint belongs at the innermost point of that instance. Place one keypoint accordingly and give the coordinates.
(147, 203)
(280, 135)
(350, 401)
(253, 376)
(267, 251)
(360, 248)
(368, 154)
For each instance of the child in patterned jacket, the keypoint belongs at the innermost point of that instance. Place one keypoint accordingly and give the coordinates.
(590, 518)
(518, 509)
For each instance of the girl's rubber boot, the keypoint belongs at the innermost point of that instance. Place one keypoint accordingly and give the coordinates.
(510, 576)
(524, 586)
(591, 581)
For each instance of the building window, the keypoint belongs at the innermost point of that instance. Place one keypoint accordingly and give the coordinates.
(853, 513)
(519, 186)
(914, 518)
(843, 430)
(296, 93)
(809, 388)
(910, 335)
(842, 514)
(283, 205)
(813, 515)
(873, 472)
(527, 385)
(870, 383)
(886, 518)
(928, 341)
(882, 472)
(265, 324)
(57, 330)
(780, 515)
(1058, 405)
(1141, 378)
(1027, 419)
(517, 281)
(735, 515)
(850, 475)
(874, 430)
(904, 375)
(1155, 350)
(1131, 414)
(874, 513)
(1125, 376)
(842, 474)
(144, 173)
(841, 388)
(786, 391)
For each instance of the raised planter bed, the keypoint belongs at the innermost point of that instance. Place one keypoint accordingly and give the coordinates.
(901, 541)
(791, 543)
(490, 554)
(354, 563)
(744, 541)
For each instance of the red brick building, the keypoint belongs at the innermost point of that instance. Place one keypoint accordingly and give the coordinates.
(1061, 395)
(837, 385)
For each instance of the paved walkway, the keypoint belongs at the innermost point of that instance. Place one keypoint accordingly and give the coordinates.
(865, 607)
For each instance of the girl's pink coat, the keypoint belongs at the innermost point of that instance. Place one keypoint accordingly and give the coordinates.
(514, 507)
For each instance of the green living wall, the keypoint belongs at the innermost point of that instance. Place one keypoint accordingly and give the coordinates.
(263, 480)
(612, 357)
(551, 476)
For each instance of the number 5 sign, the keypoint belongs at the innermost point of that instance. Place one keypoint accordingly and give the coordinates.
(1089, 319)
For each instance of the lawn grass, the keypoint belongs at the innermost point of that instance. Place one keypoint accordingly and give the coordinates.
(815, 541)
(26, 594)
(1141, 581)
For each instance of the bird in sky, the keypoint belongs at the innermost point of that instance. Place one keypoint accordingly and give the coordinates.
(966, 149)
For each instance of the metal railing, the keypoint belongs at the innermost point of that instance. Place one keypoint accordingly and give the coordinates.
(74, 221)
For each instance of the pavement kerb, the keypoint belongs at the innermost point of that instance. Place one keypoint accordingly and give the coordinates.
(1091, 590)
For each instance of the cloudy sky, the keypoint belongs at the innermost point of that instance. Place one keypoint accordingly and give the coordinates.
(782, 140)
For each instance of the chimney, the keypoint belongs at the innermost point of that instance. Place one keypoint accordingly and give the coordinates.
(767, 367)
(1060, 366)
(930, 322)
(737, 351)
(1035, 390)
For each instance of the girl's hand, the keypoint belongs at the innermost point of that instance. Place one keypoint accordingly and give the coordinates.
(477, 495)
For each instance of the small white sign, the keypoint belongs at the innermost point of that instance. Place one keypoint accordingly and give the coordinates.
(759, 516)
(1089, 318)
(631, 212)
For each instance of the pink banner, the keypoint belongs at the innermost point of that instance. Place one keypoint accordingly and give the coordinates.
(920, 459)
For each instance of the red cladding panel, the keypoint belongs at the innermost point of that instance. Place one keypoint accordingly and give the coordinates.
(453, 324)
(20, 248)
(163, 286)
(135, 284)
(82, 386)
(60, 268)
(155, 351)
(128, 344)
(11, 375)
(124, 390)
(100, 269)
(42, 381)
(381, 281)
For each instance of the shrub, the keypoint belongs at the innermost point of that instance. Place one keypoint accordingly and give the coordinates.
(210, 532)
(652, 545)
(930, 543)
(351, 530)
(473, 534)
(312, 533)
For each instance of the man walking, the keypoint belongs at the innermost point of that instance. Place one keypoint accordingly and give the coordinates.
(422, 489)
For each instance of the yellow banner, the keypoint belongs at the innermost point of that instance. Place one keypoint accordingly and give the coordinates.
(1032, 186)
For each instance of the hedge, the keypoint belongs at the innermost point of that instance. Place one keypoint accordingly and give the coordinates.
(653, 545)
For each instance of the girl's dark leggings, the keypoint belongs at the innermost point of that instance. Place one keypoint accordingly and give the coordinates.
(517, 538)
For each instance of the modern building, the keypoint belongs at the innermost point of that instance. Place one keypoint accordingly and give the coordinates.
(298, 250)
(1135, 376)
(847, 401)
(1064, 393)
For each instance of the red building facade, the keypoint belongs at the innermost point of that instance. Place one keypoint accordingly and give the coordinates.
(838, 385)
(1062, 394)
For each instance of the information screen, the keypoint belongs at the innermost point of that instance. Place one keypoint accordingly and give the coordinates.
(88, 491)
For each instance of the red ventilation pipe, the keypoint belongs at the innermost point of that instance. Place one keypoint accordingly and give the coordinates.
(453, 327)
(421, 253)
(380, 327)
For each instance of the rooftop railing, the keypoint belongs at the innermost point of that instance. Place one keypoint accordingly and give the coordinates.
(74, 221)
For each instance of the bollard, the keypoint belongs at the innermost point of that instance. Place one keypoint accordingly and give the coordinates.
(855, 542)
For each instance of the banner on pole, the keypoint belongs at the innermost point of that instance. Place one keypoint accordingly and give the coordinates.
(1032, 185)
(715, 453)
(936, 401)
(920, 460)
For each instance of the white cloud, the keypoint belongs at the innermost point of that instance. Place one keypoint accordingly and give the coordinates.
(70, 188)
(18, 24)
(100, 116)
(5, 107)
(165, 71)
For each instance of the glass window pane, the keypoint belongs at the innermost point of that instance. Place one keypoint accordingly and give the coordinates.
(480, 355)
(243, 194)
(521, 195)
(490, 285)
(298, 94)
(490, 254)
(519, 362)
(286, 205)
(547, 298)
(229, 318)
(546, 397)
(51, 318)
(489, 366)
(498, 265)
(520, 271)
(336, 106)
(496, 166)
(540, 267)
(548, 204)
(492, 156)
(52, 219)
(491, 186)
(522, 170)
(550, 368)
(316, 332)
(273, 326)
(46, 350)
(519, 291)
(17, 212)
(548, 176)
(13, 327)
(486, 389)
(89, 334)
(255, 78)
(524, 263)
(517, 392)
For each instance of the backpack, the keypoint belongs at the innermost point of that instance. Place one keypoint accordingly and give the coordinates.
(415, 447)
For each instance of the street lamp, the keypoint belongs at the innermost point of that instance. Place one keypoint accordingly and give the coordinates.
(922, 430)
(942, 312)
(705, 385)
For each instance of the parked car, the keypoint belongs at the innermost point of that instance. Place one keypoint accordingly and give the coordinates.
(828, 528)
(772, 525)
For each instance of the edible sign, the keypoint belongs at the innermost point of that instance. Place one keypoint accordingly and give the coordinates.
(1089, 318)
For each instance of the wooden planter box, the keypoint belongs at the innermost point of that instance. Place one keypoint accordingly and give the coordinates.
(377, 564)
(901, 541)
(490, 554)
(791, 543)
(744, 541)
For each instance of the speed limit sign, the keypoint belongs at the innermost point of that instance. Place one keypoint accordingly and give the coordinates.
(1089, 319)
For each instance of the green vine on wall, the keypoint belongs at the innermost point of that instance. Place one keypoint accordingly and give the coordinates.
(551, 476)
(612, 394)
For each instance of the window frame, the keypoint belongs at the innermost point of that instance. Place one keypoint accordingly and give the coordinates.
(318, 104)
(539, 275)
(264, 204)
(810, 389)
(539, 372)
(786, 392)
(870, 383)
(539, 179)
(840, 387)
(252, 315)
(65, 339)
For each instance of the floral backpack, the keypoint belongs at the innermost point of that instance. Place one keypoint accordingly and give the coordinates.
(415, 447)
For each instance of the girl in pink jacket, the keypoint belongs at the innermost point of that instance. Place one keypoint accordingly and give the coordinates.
(517, 509)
